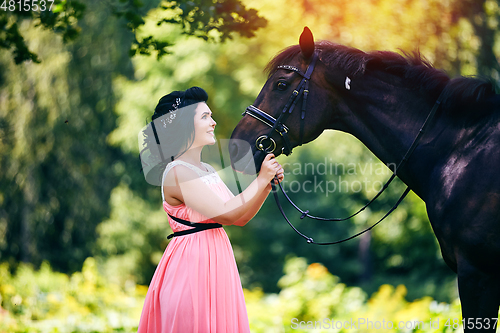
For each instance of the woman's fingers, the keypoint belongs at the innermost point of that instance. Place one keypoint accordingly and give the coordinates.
(268, 157)
(280, 174)
(273, 165)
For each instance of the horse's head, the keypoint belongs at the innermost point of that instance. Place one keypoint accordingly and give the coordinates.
(291, 108)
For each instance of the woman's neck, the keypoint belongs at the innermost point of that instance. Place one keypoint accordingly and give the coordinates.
(192, 156)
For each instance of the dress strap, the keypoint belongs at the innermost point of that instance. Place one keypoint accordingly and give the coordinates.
(198, 171)
(172, 164)
(208, 177)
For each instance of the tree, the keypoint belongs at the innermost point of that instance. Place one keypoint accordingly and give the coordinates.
(56, 168)
(483, 16)
(207, 19)
(61, 17)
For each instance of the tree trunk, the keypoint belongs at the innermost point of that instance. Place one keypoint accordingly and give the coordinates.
(365, 257)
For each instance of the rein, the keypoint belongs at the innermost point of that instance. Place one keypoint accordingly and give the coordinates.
(279, 126)
(310, 240)
(386, 185)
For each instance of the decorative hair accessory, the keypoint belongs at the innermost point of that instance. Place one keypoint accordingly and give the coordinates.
(172, 113)
(169, 119)
(176, 104)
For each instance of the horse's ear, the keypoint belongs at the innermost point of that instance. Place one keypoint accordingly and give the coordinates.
(306, 42)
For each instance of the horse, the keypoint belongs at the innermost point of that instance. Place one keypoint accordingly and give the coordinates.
(383, 98)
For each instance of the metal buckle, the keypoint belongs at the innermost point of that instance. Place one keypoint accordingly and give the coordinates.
(260, 146)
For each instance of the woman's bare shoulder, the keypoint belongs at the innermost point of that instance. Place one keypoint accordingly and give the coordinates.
(177, 174)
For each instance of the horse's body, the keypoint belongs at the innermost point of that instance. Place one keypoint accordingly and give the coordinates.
(454, 169)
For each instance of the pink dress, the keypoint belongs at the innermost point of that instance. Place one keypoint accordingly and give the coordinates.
(196, 287)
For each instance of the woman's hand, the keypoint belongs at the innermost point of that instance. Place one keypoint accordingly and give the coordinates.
(270, 168)
(280, 175)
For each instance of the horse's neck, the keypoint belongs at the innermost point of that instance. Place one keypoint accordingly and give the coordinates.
(387, 120)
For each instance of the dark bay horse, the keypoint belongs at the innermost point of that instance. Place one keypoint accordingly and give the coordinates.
(383, 98)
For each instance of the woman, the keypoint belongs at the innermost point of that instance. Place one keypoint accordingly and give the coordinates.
(196, 286)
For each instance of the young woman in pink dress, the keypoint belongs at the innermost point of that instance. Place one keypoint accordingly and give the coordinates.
(196, 287)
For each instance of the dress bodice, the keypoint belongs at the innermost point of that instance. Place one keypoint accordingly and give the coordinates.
(209, 177)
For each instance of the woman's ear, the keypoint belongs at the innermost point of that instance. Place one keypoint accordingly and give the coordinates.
(306, 42)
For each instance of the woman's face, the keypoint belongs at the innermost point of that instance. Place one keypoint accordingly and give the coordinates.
(204, 126)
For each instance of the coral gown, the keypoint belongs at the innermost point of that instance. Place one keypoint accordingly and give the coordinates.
(196, 287)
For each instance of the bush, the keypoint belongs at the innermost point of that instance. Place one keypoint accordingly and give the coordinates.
(47, 301)
(311, 300)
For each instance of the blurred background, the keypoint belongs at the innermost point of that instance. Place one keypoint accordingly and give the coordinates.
(81, 232)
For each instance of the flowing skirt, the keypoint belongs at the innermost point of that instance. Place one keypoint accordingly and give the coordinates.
(196, 288)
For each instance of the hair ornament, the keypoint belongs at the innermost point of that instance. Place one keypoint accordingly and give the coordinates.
(172, 114)
(176, 104)
(169, 119)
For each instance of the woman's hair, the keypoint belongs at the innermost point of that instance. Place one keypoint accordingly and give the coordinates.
(170, 132)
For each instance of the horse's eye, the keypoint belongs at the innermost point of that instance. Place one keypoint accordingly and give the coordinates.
(282, 85)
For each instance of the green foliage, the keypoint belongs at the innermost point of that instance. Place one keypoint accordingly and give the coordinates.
(312, 295)
(56, 167)
(125, 246)
(61, 19)
(199, 18)
(148, 45)
(208, 20)
(47, 301)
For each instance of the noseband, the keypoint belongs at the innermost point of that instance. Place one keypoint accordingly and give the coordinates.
(264, 142)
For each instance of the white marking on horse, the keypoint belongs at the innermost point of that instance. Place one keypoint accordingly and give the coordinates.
(348, 83)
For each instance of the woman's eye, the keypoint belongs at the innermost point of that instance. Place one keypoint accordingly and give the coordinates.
(282, 85)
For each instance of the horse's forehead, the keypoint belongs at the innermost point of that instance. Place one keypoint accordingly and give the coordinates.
(295, 62)
(287, 58)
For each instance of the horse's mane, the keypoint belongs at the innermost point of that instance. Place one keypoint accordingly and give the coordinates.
(414, 68)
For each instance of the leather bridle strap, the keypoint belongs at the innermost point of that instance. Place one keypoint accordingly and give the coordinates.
(265, 118)
(278, 124)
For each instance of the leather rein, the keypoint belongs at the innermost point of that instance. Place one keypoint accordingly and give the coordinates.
(266, 144)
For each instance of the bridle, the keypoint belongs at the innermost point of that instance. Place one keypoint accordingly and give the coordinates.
(266, 143)
(279, 126)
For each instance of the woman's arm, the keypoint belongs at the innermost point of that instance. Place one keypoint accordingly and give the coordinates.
(280, 175)
(252, 211)
(184, 185)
